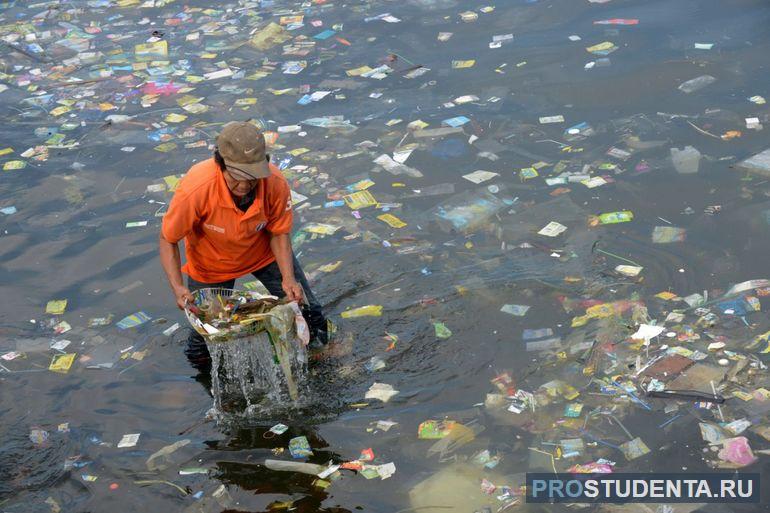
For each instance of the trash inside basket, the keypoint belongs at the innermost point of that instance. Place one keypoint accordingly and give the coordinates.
(220, 314)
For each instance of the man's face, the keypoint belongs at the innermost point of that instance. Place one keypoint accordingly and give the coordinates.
(238, 185)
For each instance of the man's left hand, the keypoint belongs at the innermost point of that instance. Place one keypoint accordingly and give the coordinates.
(293, 291)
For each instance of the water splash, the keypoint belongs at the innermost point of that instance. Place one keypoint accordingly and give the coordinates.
(257, 347)
(256, 374)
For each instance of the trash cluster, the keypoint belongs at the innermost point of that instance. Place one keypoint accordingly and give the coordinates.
(221, 314)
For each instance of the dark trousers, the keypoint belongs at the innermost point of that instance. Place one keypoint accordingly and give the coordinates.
(270, 276)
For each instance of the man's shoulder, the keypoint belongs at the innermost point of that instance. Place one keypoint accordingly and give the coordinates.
(276, 181)
(199, 178)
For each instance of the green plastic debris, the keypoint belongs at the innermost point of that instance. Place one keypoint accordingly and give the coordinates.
(441, 330)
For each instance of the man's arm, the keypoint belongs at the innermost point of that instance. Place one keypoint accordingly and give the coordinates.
(171, 261)
(280, 244)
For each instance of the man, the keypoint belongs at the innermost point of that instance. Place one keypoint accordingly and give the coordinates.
(234, 213)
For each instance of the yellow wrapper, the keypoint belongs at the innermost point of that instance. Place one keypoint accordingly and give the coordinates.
(62, 362)
(355, 72)
(172, 181)
(463, 64)
(271, 35)
(165, 147)
(327, 268)
(391, 220)
(187, 99)
(151, 51)
(298, 151)
(56, 306)
(288, 20)
(360, 199)
(601, 47)
(363, 311)
(14, 164)
(58, 111)
(175, 118)
(320, 228)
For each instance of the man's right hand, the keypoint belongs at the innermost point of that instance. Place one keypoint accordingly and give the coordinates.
(183, 296)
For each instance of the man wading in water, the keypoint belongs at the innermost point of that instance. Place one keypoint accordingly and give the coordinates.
(234, 213)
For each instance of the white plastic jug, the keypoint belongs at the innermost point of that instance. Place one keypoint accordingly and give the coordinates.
(686, 161)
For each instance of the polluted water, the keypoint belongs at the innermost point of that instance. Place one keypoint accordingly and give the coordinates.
(540, 228)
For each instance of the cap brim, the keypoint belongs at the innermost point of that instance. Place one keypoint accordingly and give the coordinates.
(254, 169)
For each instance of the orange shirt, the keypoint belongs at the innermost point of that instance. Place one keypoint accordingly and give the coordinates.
(221, 241)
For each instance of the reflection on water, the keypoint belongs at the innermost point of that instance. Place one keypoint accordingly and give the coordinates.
(416, 97)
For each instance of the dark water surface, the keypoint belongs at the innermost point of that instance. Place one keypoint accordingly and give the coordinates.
(75, 93)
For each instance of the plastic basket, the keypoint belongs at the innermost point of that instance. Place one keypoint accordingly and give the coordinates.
(207, 295)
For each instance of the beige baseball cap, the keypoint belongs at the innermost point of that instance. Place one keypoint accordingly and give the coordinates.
(242, 146)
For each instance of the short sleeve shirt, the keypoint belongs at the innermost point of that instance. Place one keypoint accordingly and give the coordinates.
(221, 241)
